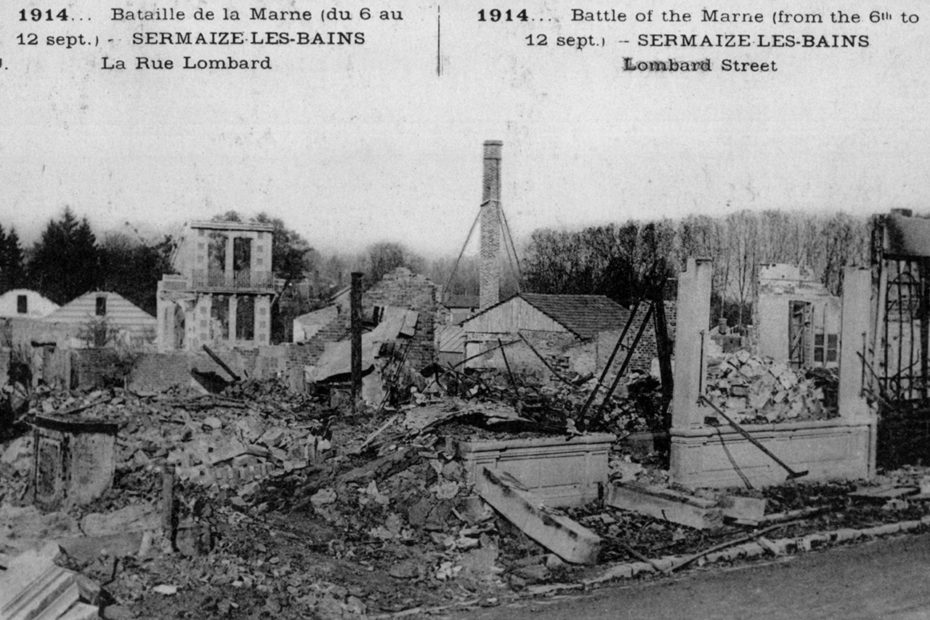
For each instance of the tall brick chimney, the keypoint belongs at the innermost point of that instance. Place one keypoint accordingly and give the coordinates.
(489, 290)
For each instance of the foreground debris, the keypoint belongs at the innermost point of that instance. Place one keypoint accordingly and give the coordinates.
(283, 507)
(34, 586)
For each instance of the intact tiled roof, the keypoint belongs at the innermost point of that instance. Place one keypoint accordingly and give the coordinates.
(583, 315)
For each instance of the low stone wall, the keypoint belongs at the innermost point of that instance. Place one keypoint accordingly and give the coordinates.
(721, 457)
(159, 371)
(94, 368)
(562, 472)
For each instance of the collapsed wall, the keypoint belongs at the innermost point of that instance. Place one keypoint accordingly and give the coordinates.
(717, 455)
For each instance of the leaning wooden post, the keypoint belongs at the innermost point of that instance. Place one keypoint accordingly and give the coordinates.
(167, 504)
(355, 314)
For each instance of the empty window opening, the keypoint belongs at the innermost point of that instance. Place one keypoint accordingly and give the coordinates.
(219, 317)
(242, 260)
(101, 308)
(245, 318)
(22, 304)
(216, 259)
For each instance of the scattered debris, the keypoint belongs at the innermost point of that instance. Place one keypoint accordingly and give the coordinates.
(754, 390)
(281, 502)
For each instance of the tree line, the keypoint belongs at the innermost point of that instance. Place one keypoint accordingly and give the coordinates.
(615, 260)
(69, 259)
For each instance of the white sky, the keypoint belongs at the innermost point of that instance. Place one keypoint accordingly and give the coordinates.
(355, 145)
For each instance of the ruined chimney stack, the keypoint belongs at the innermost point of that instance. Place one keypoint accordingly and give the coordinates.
(490, 283)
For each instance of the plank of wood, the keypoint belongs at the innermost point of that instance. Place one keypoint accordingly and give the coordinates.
(567, 539)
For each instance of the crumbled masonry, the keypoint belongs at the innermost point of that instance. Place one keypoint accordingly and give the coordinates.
(282, 505)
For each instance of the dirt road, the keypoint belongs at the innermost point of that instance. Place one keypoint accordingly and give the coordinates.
(884, 579)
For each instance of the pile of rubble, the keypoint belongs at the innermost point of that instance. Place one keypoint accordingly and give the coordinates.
(754, 390)
(280, 506)
(555, 405)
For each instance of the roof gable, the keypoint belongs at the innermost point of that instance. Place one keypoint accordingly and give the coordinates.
(583, 315)
(118, 308)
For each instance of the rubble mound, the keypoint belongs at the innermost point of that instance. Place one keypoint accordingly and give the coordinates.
(756, 390)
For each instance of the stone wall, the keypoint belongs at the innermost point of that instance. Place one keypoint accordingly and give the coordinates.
(307, 353)
(22, 332)
(404, 289)
(401, 289)
(781, 286)
(94, 368)
(646, 349)
(159, 371)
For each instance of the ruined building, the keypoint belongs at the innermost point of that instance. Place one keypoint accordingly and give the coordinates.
(798, 319)
(576, 332)
(400, 308)
(223, 289)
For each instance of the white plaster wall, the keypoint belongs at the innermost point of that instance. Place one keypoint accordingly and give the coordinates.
(36, 305)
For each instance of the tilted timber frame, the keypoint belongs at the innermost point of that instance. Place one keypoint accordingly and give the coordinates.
(709, 456)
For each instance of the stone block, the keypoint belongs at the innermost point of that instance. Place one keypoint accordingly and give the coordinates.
(673, 508)
(720, 457)
(75, 460)
(560, 471)
(33, 586)
(743, 509)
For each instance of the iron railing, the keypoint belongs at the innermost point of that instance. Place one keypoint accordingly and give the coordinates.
(238, 280)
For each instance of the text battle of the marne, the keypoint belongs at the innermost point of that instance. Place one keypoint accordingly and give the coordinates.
(201, 13)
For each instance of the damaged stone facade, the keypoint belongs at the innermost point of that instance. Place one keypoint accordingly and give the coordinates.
(404, 289)
(223, 291)
(715, 455)
(797, 319)
(400, 288)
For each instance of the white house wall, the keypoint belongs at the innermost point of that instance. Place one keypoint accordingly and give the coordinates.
(511, 317)
(37, 306)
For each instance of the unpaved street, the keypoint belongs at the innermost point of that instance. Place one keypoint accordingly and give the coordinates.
(883, 579)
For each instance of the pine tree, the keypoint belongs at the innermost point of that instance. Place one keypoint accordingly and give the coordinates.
(65, 262)
(4, 270)
(14, 268)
